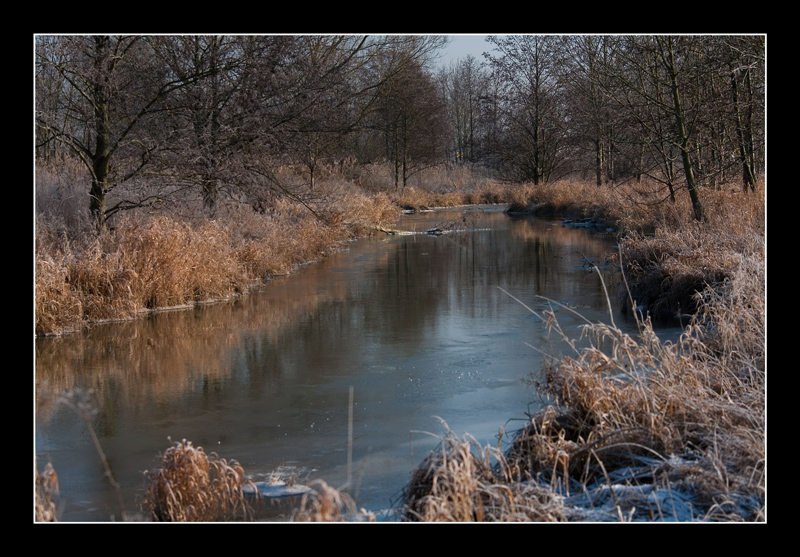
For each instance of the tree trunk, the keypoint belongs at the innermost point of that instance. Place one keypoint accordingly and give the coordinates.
(97, 200)
(101, 157)
(210, 198)
(101, 160)
(683, 137)
(598, 161)
(744, 138)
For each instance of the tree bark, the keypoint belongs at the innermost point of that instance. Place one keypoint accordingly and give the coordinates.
(683, 136)
(101, 157)
(744, 138)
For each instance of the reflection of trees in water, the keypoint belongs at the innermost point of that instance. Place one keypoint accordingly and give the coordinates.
(555, 259)
(302, 323)
(165, 353)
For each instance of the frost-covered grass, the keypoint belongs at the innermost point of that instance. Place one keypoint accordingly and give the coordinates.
(640, 429)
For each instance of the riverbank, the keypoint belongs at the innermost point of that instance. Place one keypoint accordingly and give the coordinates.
(640, 429)
(153, 261)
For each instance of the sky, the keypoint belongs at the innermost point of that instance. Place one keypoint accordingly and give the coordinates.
(462, 45)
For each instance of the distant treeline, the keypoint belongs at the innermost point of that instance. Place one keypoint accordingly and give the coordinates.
(212, 117)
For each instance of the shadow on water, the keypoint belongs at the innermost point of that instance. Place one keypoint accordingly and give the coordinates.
(417, 325)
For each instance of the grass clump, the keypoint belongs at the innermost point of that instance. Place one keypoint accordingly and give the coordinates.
(46, 492)
(639, 430)
(192, 486)
(464, 482)
(668, 267)
(672, 416)
(141, 265)
(327, 504)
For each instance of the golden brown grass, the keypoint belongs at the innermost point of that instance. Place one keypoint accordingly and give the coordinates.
(143, 264)
(411, 198)
(667, 267)
(667, 255)
(152, 262)
(487, 192)
(192, 486)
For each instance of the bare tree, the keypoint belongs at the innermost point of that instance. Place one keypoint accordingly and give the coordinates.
(532, 105)
(411, 118)
(464, 85)
(745, 64)
(233, 115)
(109, 88)
(330, 96)
(592, 118)
(649, 78)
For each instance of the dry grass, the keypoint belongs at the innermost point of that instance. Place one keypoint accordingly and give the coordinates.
(142, 265)
(151, 262)
(46, 493)
(464, 482)
(667, 256)
(667, 267)
(486, 192)
(327, 504)
(411, 198)
(686, 416)
(639, 429)
(192, 486)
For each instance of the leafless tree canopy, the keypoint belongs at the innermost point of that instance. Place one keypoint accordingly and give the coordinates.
(212, 117)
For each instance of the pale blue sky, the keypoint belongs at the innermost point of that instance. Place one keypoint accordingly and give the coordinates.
(462, 45)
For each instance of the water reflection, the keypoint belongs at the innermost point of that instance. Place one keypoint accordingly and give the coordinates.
(416, 325)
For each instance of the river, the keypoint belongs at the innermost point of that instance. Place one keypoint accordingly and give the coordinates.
(416, 327)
